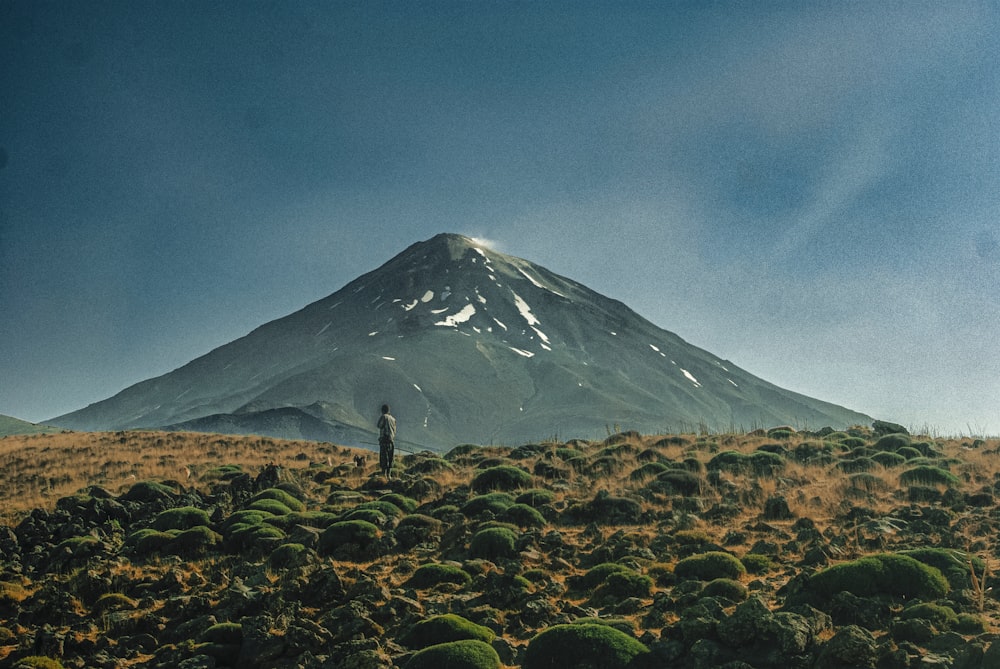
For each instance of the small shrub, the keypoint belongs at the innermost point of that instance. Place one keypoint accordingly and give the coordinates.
(430, 466)
(280, 495)
(222, 473)
(566, 454)
(889, 460)
(271, 506)
(968, 623)
(195, 541)
(586, 645)
(504, 477)
(909, 453)
(113, 601)
(444, 511)
(856, 465)
(885, 573)
(763, 463)
(928, 475)
(607, 509)
(942, 617)
(853, 442)
(729, 461)
(373, 516)
(710, 566)
(416, 529)
(624, 584)
(623, 625)
(866, 482)
(892, 443)
(952, 563)
(406, 504)
(442, 629)
(492, 543)
(462, 450)
(260, 539)
(756, 564)
(595, 576)
(678, 482)
(465, 654)
(495, 503)
(287, 556)
(245, 517)
(148, 491)
(430, 575)
(181, 518)
(317, 519)
(78, 547)
(382, 506)
(725, 588)
(148, 541)
(808, 451)
(536, 497)
(357, 532)
(523, 515)
(648, 471)
(224, 633)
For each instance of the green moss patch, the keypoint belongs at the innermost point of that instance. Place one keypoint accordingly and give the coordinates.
(442, 629)
(586, 645)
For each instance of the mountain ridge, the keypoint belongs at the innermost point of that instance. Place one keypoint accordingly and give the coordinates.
(468, 345)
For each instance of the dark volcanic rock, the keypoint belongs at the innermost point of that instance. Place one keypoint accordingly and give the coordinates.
(852, 647)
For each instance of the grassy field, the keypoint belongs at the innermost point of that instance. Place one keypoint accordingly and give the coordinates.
(635, 531)
(36, 470)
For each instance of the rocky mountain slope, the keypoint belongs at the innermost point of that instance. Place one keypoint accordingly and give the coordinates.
(777, 550)
(467, 345)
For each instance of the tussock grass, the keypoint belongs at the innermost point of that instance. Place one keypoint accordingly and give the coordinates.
(37, 470)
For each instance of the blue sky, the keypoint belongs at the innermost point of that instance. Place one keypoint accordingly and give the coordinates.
(808, 189)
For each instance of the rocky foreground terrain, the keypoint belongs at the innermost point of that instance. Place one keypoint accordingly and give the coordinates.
(772, 549)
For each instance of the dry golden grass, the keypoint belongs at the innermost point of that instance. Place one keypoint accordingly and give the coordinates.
(37, 470)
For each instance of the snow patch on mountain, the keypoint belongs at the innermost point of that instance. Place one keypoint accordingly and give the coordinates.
(524, 309)
(690, 377)
(467, 312)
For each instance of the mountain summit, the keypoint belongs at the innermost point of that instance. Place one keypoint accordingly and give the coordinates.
(467, 345)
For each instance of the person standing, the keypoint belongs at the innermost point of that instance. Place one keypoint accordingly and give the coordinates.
(386, 441)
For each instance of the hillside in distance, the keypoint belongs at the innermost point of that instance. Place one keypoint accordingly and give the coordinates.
(467, 345)
(15, 426)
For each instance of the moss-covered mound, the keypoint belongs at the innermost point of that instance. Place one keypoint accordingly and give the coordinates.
(586, 646)
(430, 575)
(466, 654)
(442, 629)
(881, 574)
(710, 566)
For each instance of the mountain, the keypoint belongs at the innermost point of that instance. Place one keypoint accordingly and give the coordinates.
(467, 345)
(11, 426)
